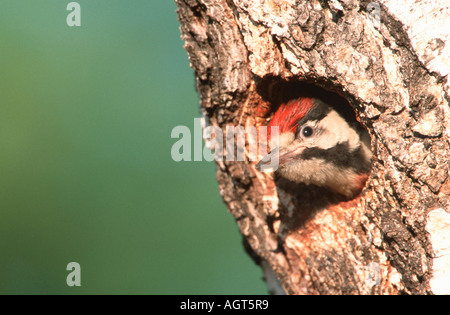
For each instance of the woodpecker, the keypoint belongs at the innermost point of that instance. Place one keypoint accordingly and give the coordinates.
(317, 146)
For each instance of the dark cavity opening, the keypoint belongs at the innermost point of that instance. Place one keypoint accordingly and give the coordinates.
(278, 91)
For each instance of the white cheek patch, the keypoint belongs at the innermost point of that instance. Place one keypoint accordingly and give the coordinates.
(336, 130)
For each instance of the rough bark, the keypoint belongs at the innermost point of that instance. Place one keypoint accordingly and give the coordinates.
(390, 63)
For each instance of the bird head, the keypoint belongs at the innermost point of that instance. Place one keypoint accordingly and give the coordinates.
(317, 146)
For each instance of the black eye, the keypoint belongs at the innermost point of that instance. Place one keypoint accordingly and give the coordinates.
(307, 131)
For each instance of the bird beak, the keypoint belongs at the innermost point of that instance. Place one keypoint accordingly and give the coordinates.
(276, 157)
(269, 163)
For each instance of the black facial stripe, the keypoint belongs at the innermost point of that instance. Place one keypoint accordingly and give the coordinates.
(316, 113)
(341, 156)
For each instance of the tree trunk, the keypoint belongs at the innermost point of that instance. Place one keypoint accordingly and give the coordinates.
(390, 62)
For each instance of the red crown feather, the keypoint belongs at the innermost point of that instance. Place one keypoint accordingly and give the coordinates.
(288, 114)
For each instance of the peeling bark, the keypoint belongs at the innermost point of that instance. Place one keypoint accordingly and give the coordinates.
(392, 69)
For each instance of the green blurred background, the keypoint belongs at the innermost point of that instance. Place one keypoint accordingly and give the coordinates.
(86, 174)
